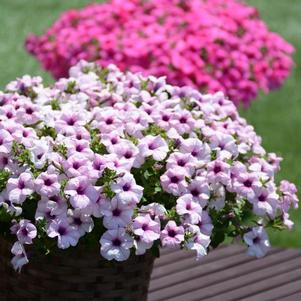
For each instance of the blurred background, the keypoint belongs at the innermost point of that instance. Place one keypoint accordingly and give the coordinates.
(276, 116)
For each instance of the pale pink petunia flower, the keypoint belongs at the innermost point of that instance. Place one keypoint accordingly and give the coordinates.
(189, 209)
(172, 235)
(116, 213)
(25, 231)
(67, 235)
(147, 228)
(257, 241)
(20, 257)
(116, 244)
(81, 192)
(18, 189)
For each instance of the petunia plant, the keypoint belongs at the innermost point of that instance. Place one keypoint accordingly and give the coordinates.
(131, 164)
(216, 45)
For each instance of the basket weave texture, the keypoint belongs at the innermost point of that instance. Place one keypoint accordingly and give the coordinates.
(76, 275)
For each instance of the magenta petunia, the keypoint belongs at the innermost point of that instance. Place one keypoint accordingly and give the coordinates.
(217, 45)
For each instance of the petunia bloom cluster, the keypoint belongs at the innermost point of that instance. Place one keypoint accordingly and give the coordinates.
(132, 164)
(216, 45)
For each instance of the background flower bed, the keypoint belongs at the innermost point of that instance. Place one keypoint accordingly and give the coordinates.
(276, 116)
(214, 45)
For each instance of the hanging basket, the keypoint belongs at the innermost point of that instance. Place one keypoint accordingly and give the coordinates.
(76, 275)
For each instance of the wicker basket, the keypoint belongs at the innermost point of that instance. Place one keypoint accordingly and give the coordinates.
(81, 275)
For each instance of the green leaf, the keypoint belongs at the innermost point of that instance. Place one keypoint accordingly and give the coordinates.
(55, 105)
(61, 149)
(47, 131)
(4, 176)
(71, 87)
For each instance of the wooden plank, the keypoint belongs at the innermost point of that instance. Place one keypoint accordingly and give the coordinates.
(283, 285)
(166, 265)
(195, 269)
(292, 297)
(172, 258)
(169, 256)
(268, 279)
(214, 283)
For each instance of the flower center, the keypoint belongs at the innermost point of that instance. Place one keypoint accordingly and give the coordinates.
(217, 169)
(194, 192)
(62, 230)
(183, 119)
(194, 153)
(9, 115)
(29, 111)
(248, 183)
(262, 198)
(25, 134)
(76, 165)
(144, 227)
(77, 221)
(4, 160)
(54, 198)
(71, 121)
(109, 121)
(116, 212)
(152, 146)
(48, 182)
(116, 242)
(80, 190)
(114, 140)
(165, 118)
(79, 148)
(97, 165)
(21, 184)
(24, 232)
(128, 155)
(126, 187)
(181, 162)
(172, 233)
(174, 179)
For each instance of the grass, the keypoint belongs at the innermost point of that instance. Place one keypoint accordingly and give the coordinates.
(276, 117)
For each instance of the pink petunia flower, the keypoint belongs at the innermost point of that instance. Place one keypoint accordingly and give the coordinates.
(172, 235)
(189, 209)
(67, 235)
(81, 192)
(25, 231)
(145, 227)
(47, 184)
(116, 244)
(257, 240)
(116, 214)
(173, 181)
(18, 189)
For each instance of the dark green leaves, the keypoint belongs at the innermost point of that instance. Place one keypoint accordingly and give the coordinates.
(55, 105)
(96, 145)
(21, 154)
(61, 149)
(71, 87)
(106, 180)
(47, 131)
(231, 221)
(4, 176)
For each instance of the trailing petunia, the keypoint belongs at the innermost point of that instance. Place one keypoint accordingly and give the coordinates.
(133, 164)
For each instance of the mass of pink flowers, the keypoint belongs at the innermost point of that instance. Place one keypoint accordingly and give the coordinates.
(216, 45)
(132, 164)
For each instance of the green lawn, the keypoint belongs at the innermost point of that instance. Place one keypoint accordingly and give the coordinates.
(276, 117)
